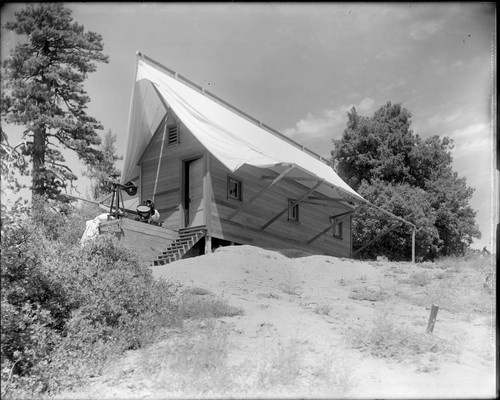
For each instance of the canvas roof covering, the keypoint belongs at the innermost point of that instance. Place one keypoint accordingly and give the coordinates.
(230, 137)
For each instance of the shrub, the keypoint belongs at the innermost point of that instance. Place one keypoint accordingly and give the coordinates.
(193, 363)
(386, 339)
(66, 309)
(458, 285)
(368, 294)
(322, 309)
(196, 307)
(419, 278)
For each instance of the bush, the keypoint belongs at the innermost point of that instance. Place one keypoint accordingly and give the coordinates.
(66, 309)
(197, 307)
(386, 339)
(368, 294)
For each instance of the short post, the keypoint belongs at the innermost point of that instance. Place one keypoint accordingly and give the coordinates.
(413, 245)
(432, 318)
(208, 244)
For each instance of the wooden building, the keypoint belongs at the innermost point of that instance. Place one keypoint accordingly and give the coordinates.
(218, 176)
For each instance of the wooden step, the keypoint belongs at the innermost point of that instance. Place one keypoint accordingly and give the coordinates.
(188, 237)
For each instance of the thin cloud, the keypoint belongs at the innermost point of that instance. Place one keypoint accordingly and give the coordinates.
(440, 118)
(473, 139)
(327, 122)
(423, 30)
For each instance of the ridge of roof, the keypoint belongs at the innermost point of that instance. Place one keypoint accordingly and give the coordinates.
(229, 106)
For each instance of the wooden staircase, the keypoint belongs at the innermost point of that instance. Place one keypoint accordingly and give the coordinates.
(188, 237)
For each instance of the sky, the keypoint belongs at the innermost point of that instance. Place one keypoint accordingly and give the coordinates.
(300, 67)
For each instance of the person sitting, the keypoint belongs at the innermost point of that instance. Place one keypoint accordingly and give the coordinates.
(154, 215)
(148, 214)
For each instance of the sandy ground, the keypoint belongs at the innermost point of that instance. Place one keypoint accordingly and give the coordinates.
(306, 301)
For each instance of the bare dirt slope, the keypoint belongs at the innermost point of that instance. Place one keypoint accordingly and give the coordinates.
(309, 329)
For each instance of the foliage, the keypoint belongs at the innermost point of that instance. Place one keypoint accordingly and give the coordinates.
(105, 171)
(386, 339)
(66, 309)
(460, 285)
(366, 293)
(411, 177)
(403, 200)
(10, 157)
(42, 90)
(192, 305)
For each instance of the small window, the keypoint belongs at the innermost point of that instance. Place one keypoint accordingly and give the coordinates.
(234, 189)
(337, 229)
(172, 135)
(293, 212)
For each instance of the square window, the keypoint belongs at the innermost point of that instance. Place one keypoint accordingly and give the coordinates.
(337, 229)
(233, 189)
(293, 212)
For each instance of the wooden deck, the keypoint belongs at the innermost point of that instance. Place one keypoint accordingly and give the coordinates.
(148, 240)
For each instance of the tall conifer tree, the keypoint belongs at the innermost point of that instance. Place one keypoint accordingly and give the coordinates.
(43, 90)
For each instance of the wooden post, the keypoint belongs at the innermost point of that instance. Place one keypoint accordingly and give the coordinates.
(208, 244)
(432, 318)
(413, 245)
(207, 202)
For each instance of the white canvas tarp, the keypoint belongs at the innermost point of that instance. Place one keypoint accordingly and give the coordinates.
(231, 138)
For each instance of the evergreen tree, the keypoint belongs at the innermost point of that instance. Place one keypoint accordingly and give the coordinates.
(101, 174)
(42, 90)
(413, 178)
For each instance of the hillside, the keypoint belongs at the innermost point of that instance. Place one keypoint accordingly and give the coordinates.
(317, 326)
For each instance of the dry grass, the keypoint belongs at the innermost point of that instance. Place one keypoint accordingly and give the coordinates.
(322, 309)
(385, 338)
(458, 285)
(368, 294)
(193, 363)
(289, 369)
(203, 306)
(290, 284)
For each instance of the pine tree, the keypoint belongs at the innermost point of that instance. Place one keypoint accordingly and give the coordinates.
(101, 174)
(42, 90)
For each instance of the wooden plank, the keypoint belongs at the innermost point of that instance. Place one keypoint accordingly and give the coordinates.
(265, 207)
(337, 218)
(207, 199)
(296, 178)
(291, 205)
(151, 145)
(333, 199)
(260, 192)
(389, 214)
(432, 318)
(377, 218)
(375, 239)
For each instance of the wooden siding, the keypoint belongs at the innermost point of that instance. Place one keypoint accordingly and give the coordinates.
(168, 198)
(245, 227)
(195, 169)
(149, 240)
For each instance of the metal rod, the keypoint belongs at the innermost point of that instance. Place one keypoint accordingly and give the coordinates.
(374, 239)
